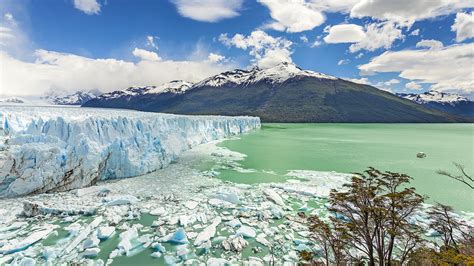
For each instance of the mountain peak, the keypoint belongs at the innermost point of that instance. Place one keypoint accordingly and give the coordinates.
(276, 74)
(434, 96)
(174, 86)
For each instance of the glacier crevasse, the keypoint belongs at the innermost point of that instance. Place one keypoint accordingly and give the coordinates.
(48, 149)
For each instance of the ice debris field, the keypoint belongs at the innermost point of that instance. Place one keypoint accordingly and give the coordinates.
(176, 215)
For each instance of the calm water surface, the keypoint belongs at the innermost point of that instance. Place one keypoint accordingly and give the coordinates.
(278, 148)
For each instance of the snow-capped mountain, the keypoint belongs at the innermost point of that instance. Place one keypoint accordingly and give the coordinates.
(283, 93)
(12, 100)
(434, 96)
(175, 86)
(77, 98)
(277, 74)
(447, 102)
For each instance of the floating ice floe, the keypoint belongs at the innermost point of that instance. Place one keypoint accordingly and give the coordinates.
(105, 232)
(32, 209)
(246, 231)
(19, 245)
(122, 200)
(82, 235)
(178, 237)
(190, 204)
(234, 243)
(208, 232)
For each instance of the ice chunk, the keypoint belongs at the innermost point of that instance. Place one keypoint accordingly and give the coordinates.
(128, 241)
(319, 183)
(191, 204)
(91, 252)
(182, 252)
(228, 196)
(178, 237)
(158, 247)
(208, 232)
(27, 241)
(122, 200)
(105, 232)
(26, 261)
(91, 242)
(82, 235)
(97, 190)
(217, 262)
(273, 196)
(234, 243)
(32, 209)
(156, 254)
(234, 223)
(170, 260)
(13, 226)
(262, 240)
(246, 231)
(158, 211)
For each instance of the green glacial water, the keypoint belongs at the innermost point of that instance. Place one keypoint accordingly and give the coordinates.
(278, 148)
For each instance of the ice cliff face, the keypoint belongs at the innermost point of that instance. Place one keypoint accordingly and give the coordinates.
(46, 149)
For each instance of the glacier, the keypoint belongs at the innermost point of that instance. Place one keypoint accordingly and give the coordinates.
(52, 149)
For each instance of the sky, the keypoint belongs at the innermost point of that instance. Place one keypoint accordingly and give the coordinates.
(396, 45)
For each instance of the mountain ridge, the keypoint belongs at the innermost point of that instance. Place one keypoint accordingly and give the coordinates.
(442, 101)
(284, 93)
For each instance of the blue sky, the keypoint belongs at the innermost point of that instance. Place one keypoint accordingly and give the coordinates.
(409, 46)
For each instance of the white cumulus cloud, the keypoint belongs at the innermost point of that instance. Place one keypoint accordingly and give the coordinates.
(345, 33)
(406, 12)
(90, 7)
(293, 15)
(146, 55)
(413, 86)
(343, 62)
(68, 72)
(150, 41)
(447, 69)
(378, 35)
(267, 51)
(364, 81)
(431, 44)
(208, 10)
(372, 37)
(415, 32)
(215, 58)
(463, 26)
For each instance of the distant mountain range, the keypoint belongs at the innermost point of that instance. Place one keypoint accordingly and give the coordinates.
(54, 98)
(446, 102)
(77, 98)
(284, 93)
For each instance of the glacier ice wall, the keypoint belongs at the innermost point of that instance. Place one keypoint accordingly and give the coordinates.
(47, 149)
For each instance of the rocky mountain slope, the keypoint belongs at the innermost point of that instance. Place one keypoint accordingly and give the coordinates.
(284, 93)
(451, 103)
(77, 98)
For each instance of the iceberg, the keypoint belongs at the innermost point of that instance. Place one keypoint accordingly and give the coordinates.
(50, 149)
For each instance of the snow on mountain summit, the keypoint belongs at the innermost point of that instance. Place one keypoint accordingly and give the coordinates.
(276, 74)
(175, 86)
(434, 96)
(77, 98)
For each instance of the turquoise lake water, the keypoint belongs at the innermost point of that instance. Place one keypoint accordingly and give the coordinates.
(278, 148)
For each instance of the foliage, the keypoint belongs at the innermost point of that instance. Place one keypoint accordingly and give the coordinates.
(371, 215)
(462, 177)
